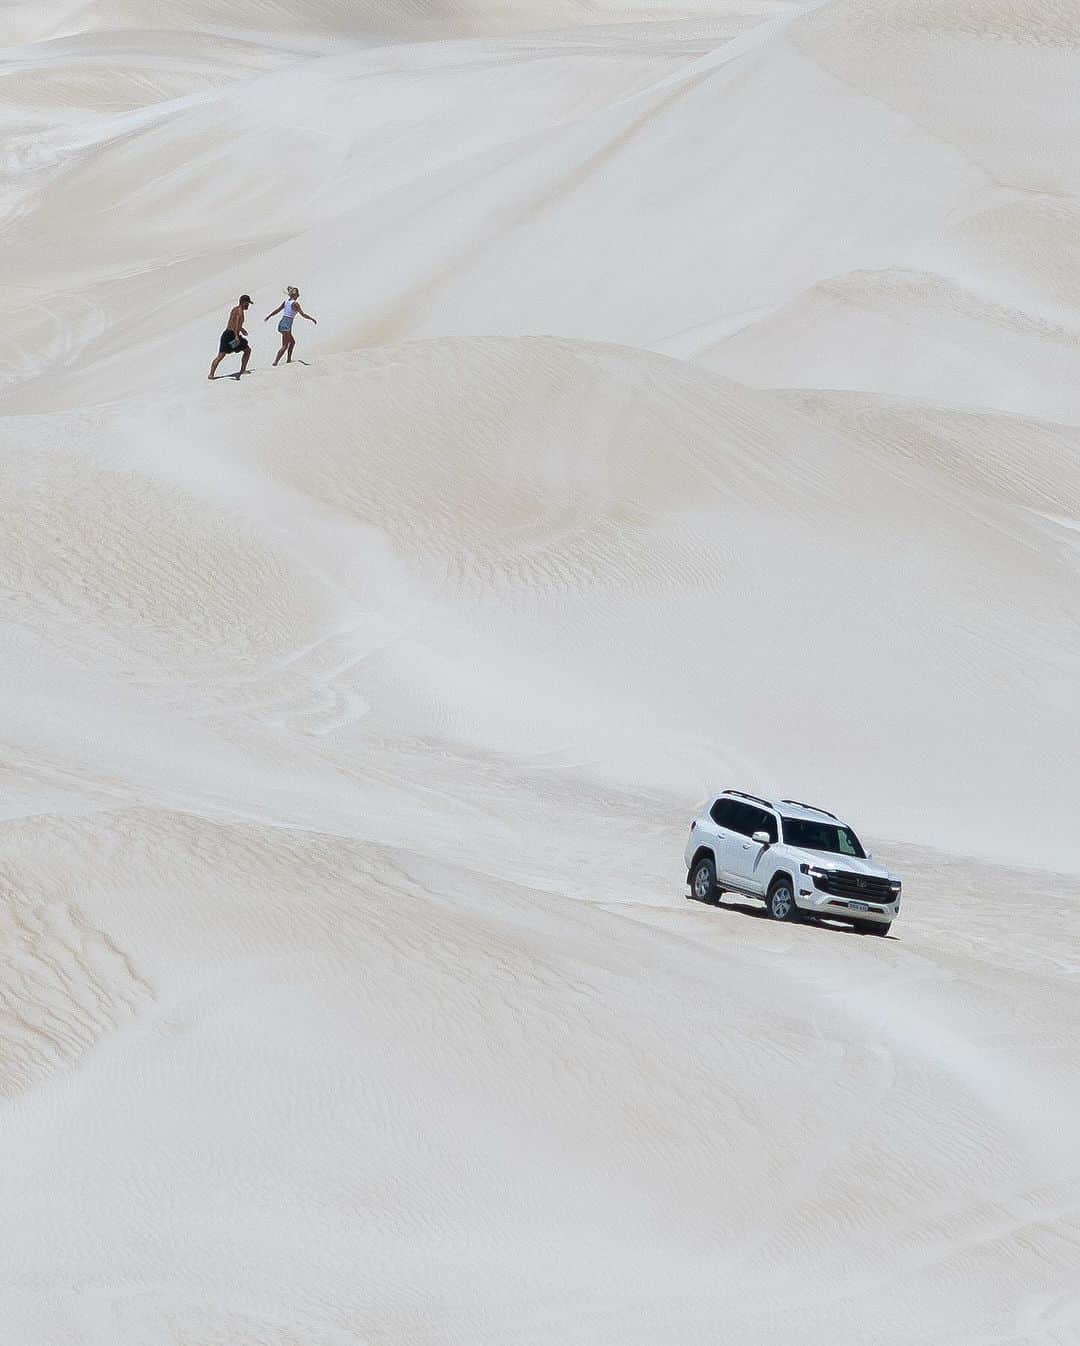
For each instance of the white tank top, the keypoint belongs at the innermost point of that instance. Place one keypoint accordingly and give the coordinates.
(290, 308)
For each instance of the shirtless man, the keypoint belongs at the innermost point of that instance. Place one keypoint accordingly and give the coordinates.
(234, 337)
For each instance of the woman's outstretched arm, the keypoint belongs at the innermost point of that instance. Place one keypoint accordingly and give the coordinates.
(307, 315)
(276, 311)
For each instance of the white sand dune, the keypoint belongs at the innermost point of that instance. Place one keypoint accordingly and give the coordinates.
(693, 401)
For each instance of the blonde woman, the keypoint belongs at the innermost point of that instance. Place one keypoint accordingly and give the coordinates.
(288, 309)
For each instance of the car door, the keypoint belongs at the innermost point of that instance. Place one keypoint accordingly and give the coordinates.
(727, 837)
(744, 861)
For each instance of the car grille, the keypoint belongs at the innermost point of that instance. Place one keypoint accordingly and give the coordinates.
(859, 887)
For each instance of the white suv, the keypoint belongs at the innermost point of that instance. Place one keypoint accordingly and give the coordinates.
(802, 861)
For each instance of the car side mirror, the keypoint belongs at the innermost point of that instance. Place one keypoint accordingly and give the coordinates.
(762, 838)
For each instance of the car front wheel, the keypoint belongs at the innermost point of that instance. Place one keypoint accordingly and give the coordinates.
(781, 901)
(703, 881)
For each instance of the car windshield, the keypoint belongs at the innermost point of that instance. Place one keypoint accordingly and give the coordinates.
(814, 836)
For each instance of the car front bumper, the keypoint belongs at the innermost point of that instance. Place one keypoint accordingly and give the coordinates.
(846, 909)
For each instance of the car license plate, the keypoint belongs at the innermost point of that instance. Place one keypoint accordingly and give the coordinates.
(858, 906)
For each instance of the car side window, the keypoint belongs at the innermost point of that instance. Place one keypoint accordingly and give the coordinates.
(744, 818)
(721, 813)
(767, 823)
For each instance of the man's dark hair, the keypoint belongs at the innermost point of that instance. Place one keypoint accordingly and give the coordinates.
(245, 299)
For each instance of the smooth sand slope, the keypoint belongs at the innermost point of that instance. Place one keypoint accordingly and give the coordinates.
(694, 401)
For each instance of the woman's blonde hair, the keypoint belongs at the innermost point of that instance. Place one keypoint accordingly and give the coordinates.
(291, 290)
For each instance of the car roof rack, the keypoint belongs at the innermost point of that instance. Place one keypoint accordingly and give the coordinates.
(756, 798)
(812, 807)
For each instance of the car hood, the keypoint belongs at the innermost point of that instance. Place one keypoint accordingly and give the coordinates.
(850, 864)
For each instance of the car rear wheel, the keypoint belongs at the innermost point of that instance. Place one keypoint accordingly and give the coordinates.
(781, 901)
(703, 881)
(880, 928)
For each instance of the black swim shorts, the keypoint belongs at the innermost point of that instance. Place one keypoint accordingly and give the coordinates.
(231, 342)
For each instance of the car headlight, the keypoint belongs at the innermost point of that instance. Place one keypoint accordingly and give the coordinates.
(815, 871)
